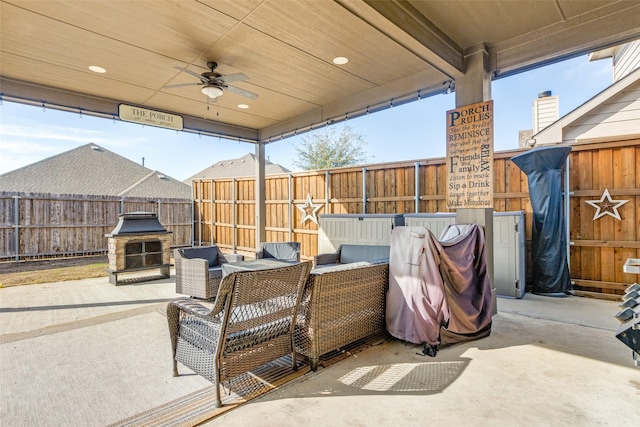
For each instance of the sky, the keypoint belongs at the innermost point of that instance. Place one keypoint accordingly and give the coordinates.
(408, 132)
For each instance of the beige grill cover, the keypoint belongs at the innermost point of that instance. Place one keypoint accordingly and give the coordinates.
(416, 305)
(439, 291)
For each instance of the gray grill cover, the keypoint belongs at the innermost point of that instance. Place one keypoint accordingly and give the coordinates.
(466, 282)
(548, 238)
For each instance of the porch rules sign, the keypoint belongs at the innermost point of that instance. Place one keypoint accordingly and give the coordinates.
(470, 156)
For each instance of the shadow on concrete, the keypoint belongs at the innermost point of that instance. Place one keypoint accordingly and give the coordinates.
(86, 305)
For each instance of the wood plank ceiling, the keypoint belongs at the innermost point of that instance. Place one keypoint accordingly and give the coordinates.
(398, 50)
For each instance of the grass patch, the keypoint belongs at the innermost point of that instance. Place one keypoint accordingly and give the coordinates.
(19, 278)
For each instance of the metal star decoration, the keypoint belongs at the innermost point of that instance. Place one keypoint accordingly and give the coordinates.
(309, 209)
(606, 206)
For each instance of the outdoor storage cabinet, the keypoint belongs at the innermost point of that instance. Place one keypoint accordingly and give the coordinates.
(509, 273)
(509, 253)
(356, 229)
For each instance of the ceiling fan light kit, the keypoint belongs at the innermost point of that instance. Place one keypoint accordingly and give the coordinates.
(212, 91)
(215, 84)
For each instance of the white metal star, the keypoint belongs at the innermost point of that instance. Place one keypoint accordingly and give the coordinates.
(309, 209)
(606, 206)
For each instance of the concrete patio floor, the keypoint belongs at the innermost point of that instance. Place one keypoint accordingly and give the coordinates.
(88, 353)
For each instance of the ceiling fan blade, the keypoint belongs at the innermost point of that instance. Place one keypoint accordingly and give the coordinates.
(230, 78)
(182, 85)
(242, 92)
(193, 73)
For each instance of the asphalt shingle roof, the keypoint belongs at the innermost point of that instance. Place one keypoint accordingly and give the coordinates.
(92, 170)
(234, 168)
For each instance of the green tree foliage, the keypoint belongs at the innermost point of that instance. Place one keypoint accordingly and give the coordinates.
(325, 149)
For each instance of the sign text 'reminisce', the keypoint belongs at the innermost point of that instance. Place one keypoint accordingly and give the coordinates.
(470, 156)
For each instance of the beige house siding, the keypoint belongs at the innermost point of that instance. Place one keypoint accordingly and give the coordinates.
(626, 59)
(613, 114)
(618, 118)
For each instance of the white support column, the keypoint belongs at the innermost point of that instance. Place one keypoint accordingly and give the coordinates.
(234, 208)
(416, 167)
(473, 87)
(290, 207)
(261, 207)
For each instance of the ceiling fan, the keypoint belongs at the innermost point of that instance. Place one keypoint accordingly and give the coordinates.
(214, 84)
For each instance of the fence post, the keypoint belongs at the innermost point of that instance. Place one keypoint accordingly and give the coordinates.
(290, 197)
(417, 174)
(326, 192)
(193, 218)
(16, 220)
(364, 190)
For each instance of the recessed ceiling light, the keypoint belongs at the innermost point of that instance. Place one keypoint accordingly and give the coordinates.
(97, 69)
(340, 60)
(243, 106)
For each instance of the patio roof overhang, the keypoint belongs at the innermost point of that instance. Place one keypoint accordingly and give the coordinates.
(398, 51)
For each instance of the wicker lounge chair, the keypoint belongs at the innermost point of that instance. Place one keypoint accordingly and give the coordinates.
(198, 270)
(250, 324)
(287, 251)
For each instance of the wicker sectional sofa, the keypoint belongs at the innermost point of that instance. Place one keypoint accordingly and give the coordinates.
(349, 254)
(342, 302)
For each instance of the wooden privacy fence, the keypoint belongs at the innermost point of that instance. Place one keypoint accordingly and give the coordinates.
(225, 211)
(600, 247)
(44, 225)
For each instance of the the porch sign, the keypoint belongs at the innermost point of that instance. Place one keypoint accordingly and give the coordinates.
(470, 156)
(129, 113)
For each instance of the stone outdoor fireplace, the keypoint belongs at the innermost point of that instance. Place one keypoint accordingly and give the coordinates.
(139, 243)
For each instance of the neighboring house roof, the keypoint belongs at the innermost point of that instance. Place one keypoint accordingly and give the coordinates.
(93, 170)
(612, 114)
(234, 168)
